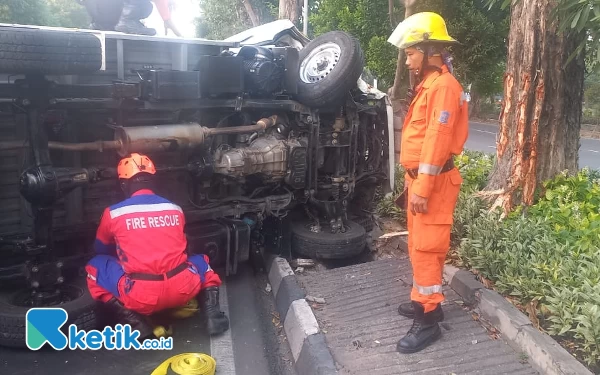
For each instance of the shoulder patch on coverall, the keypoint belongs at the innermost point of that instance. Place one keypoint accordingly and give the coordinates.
(444, 115)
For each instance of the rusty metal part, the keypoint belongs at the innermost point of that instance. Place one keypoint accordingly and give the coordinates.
(162, 138)
(340, 123)
(149, 139)
(261, 124)
(12, 145)
(177, 137)
(89, 146)
(266, 155)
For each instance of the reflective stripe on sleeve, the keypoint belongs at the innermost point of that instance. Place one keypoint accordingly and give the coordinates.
(137, 208)
(430, 169)
(427, 290)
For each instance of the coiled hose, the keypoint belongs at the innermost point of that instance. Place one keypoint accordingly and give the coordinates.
(187, 364)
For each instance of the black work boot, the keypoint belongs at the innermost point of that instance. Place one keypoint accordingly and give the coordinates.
(408, 310)
(424, 331)
(216, 321)
(125, 316)
(133, 12)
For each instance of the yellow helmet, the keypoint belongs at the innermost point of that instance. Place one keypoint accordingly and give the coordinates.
(419, 28)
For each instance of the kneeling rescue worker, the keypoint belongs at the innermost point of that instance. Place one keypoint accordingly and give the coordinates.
(435, 129)
(141, 266)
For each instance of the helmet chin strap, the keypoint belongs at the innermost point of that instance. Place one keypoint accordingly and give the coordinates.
(420, 73)
(427, 51)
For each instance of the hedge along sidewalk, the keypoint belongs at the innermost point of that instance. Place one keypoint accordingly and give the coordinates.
(547, 355)
(309, 349)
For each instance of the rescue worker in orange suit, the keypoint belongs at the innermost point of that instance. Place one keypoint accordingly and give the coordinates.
(435, 129)
(141, 266)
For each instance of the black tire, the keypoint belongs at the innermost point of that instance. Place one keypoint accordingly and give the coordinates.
(81, 312)
(326, 245)
(49, 52)
(365, 222)
(336, 82)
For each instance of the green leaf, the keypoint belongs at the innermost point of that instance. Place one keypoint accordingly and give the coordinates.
(575, 19)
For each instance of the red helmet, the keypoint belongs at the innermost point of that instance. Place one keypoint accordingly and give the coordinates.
(134, 164)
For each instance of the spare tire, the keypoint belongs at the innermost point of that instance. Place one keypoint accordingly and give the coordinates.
(330, 66)
(25, 51)
(79, 306)
(327, 245)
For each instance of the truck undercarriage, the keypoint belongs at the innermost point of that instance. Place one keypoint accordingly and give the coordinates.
(269, 144)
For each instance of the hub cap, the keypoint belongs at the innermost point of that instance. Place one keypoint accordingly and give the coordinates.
(320, 62)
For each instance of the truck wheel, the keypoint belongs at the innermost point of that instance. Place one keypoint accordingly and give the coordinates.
(326, 245)
(76, 301)
(330, 66)
(24, 51)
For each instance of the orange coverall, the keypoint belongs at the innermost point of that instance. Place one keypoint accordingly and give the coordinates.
(436, 128)
(162, 6)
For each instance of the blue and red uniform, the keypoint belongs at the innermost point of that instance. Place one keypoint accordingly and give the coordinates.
(139, 241)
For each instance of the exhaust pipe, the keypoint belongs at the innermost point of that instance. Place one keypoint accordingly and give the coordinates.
(152, 139)
(177, 137)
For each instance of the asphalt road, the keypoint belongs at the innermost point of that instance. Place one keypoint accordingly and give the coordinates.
(482, 137)
(253, 346)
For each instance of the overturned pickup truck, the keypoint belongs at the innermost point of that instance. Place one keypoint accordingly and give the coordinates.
(270, 142)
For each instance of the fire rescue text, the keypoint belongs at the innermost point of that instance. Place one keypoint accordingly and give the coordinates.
(152, 222)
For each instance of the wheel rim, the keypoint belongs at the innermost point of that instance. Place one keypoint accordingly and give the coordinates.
(320, 62)
(66, 293)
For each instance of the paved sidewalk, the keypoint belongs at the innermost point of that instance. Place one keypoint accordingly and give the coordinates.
(362, 325)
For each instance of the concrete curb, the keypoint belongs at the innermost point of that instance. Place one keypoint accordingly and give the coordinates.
(309, 348)
(544, 352)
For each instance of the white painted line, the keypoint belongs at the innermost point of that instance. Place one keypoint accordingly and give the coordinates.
(598, 152)
(492, 146)
(221, 346)
(300, 322)
(484, 131)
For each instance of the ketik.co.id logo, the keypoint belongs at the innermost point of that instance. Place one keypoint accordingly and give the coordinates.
(43, 325)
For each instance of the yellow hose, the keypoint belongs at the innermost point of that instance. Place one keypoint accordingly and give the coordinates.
(186, 311)
(187, 364)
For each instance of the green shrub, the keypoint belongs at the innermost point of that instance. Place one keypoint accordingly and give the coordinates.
(548, 254)
(474, 167)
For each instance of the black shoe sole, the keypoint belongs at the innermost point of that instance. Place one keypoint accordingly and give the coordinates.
(217, 330)
(425, 344)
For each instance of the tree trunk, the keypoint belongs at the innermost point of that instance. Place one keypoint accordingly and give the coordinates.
(289, 9)
(391, 13)
(251, 13)
(541, 113)
(396, 93)
(475, 105)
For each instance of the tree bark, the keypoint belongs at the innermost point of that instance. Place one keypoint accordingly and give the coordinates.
(396, 94)
(541, 115)
(289, 9)
(391, 13)
(251, 13)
